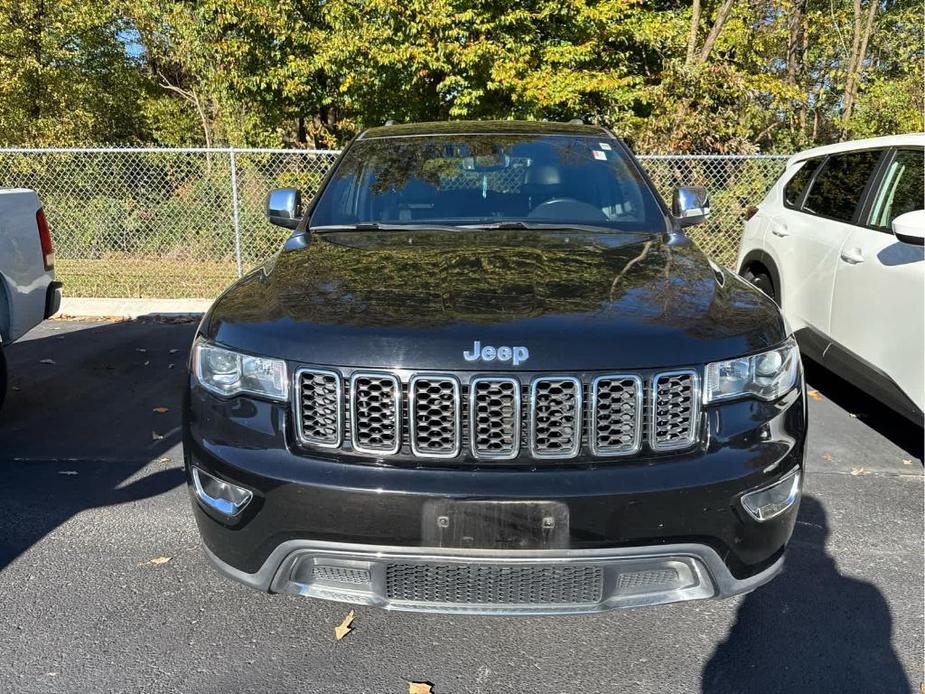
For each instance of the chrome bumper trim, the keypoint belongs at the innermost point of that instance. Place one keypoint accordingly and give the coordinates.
(700, 571)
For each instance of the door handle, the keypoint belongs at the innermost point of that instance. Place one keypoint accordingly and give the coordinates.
(853, 256)
(780, 231)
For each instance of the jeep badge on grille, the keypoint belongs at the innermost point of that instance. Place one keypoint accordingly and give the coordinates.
(515, 355)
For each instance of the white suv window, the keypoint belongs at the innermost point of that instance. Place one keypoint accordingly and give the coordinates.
(839, 185)
(793, 191)
(903, 189)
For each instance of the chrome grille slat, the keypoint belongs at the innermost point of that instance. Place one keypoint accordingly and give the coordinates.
(319, 407)
(616, 414)
(555, 417)
(434, 416)
(375, 412)
(675, 409)
(494, 418)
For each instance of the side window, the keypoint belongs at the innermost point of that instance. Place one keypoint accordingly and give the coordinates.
(902, 190)
(838, 186)
(797, 183)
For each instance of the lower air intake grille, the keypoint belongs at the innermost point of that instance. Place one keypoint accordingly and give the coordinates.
(320, 407)
(375, 409)
(340, 574)
(485, 584)
(675, 398)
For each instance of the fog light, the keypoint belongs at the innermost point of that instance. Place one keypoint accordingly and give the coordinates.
(226, 498)
(765, 504)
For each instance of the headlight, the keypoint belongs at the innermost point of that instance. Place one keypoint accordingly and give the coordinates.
(228, 373)
(768, 375)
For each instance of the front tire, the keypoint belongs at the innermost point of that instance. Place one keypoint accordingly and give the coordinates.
(762, 281)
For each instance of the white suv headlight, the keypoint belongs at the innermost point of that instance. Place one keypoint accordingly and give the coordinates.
(229, 373)
(768, 375)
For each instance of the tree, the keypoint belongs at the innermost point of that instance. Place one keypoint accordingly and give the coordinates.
(65, 76)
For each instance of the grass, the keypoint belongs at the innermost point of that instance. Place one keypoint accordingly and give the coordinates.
(148, 278)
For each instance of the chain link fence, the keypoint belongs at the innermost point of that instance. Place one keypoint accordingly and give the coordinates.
(184, 223)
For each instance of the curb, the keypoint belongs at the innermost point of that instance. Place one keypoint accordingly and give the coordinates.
(132, 308)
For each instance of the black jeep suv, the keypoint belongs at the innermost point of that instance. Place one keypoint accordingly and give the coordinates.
(488, 372)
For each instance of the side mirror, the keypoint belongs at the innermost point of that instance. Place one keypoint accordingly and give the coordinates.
(284, 207)
(910, 227)
(691, 205)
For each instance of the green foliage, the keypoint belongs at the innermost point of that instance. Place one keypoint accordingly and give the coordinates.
(768, 75)
(65, 77)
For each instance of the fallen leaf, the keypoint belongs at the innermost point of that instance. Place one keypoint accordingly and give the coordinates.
(15, 388)
(161, 410)
(907, 462)
(157, 561)
(174, 351)
(170, 366)
(165, 461)
(155, 436)
(814, 394)
(852, 415)
(857, 471)
(141, 349)
(420, 688)
(47, 361)
(827, 456)
(147, 362)
(67, 472)
(344, 627)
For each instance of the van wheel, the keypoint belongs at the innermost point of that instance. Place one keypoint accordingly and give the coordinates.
(762, 280)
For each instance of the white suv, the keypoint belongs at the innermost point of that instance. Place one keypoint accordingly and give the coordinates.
(838, 243)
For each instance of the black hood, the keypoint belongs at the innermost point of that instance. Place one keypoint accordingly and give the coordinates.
(577, 300)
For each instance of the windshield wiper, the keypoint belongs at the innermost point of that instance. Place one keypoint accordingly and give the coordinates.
(380, 226)
(544, 226)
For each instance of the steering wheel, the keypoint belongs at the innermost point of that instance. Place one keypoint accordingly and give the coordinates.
(568, 209)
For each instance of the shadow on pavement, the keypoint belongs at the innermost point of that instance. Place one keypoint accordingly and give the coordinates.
(879, 417)
(79, 422)
(811, 629)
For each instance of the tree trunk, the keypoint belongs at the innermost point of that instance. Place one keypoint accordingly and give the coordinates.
(715, 30)
(795, 47)
(857, 59)
(36, 29)
(692, 37)
(796, 50)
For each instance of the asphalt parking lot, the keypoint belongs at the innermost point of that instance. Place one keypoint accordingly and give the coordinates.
(92, 490)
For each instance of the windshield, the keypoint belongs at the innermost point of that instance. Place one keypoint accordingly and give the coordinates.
(477, 180)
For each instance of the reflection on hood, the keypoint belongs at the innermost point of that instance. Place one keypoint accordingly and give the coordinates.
(431, 279)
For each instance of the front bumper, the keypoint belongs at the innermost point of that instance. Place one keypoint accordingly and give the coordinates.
(673, 524)
(497, 582)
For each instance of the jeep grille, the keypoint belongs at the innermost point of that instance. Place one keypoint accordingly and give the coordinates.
(497, 418)
(319, 402)
(494, 410)
(555, 417)
(675, 399)
(375, 413)
(434, 416)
